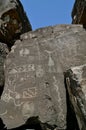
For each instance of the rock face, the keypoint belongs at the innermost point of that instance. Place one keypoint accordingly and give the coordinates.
(76, 86)
(13, 20)
(34, 80)
(79, 12)
(35, 94)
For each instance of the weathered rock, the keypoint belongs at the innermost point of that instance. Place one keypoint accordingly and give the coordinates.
(3, 53)
(79, 12)
(76, 86)
(34, 80)
(13, 20)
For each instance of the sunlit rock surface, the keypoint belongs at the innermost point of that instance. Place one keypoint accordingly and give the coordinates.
(34, 80)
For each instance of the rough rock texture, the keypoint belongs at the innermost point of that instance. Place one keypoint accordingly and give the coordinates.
(76, 86)
(34, 80)
(3, 53)
(13, 20)
(79, 12)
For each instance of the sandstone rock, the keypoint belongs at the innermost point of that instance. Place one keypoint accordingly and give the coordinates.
(13, 20)
(76, 86)
(79, 12)
(34, 80)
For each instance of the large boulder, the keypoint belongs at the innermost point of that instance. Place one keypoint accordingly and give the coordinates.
(34, 80)
(13, 20)
(76, 86)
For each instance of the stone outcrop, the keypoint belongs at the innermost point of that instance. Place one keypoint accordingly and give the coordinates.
(79, 12)
(34, 80)
(76, 86)
(13, 21)
(36, 91)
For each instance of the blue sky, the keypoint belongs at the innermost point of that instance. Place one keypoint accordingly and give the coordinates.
(43, 13)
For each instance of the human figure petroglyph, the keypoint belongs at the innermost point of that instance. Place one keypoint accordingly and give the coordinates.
(39, 71)
(51, 63)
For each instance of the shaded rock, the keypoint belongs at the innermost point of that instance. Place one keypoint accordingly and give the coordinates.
(13, 20)
(2, 125)
(76, 86)
(79, 12)
(34, 123)
(3, 53)
(34, 80)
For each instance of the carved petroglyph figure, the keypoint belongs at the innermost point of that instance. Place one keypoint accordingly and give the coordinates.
(50, 61)
(24, 52)
(59, 100)
(39, 71)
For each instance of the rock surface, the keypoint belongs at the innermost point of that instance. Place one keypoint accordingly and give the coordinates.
(13, 20)
(76, 86)
(34, 80)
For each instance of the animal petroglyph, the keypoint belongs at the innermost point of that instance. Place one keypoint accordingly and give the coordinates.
(17, 98)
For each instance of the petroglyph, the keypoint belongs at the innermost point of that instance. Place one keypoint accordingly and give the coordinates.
(4, 113)
(17, 98)
(51, 63)
(7, 97)
(39, 71)
(56, 87)
(13, 71)
(23, 68)
(13, 96)
(12, 80)
(24, 52)
(30, 93)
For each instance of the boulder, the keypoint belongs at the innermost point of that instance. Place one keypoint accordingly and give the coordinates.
(79, 12)
(13, 20)
(76, 86)
(34, 80)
